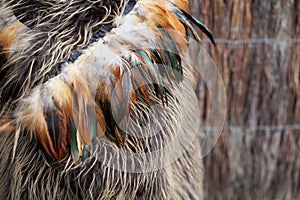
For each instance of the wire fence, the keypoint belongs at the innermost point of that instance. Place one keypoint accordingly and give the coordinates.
(272, 128)
(272, 41)
(265, 128)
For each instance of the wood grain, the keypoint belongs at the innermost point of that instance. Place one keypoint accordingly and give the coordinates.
(262, 87)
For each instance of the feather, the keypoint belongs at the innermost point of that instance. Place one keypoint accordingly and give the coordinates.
(53, 128)
(121, 93)
(174, 57)
(8, 37)
(83, 70)
(153, 70)
(139, 83)
(92, 120)
(184, 17)
(130, 5)
(91, 95)
(83, 119)
(200, 25)
(73, 138)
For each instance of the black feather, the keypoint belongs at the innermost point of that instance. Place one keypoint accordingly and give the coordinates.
(200, 25)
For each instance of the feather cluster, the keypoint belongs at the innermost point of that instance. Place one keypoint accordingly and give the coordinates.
(73, 103)
(82, 78)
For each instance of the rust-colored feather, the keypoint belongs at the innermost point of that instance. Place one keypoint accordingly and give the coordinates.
(7, 38)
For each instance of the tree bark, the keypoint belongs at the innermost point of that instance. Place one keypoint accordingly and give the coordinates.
(258, 153)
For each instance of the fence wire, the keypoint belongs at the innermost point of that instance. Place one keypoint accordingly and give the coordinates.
(273, 128)
(272, 41)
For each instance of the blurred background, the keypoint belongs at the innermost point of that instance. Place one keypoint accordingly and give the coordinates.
(257, 155)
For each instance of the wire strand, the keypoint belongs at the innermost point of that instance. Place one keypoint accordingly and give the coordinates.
(295, 127)
(272, 41)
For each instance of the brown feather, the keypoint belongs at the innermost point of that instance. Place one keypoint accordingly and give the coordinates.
(8, 37)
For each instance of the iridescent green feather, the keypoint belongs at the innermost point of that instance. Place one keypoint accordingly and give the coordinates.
(74, 147)
(153, 70)
(92, 121)
(174, 56)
